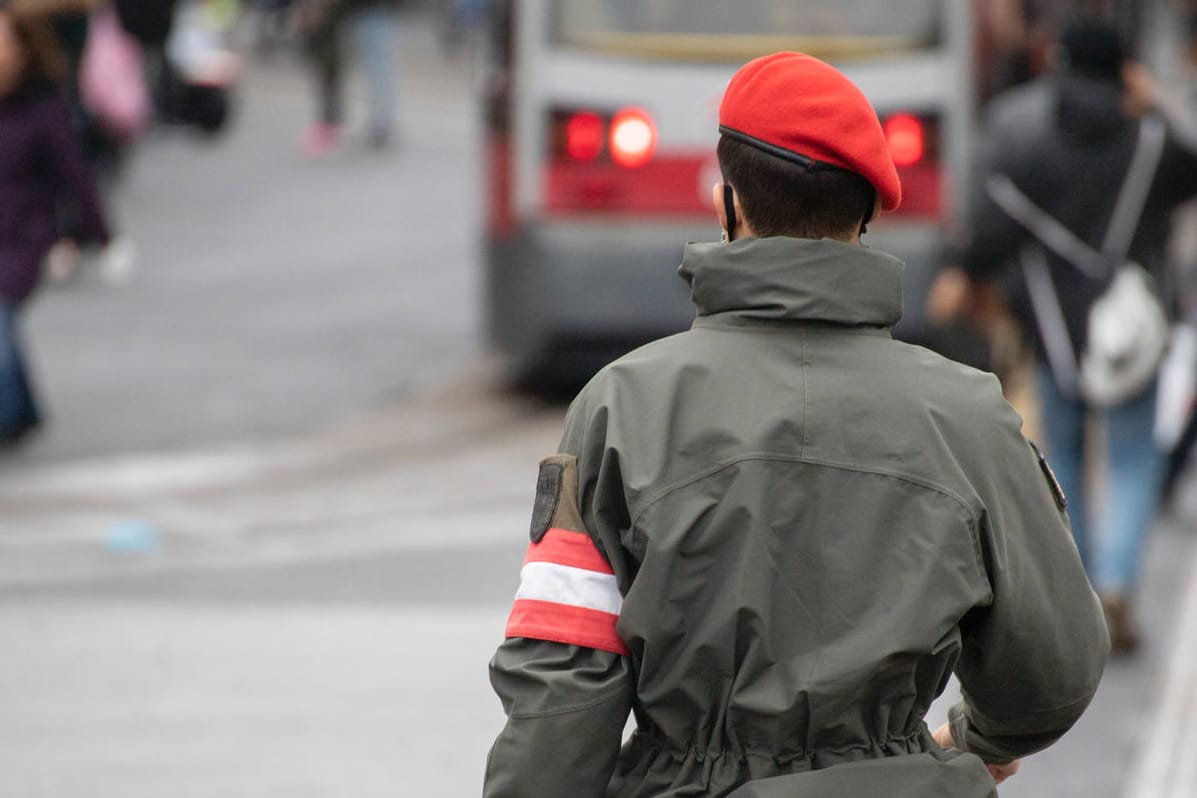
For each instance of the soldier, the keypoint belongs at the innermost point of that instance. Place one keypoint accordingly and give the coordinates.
(774, 537)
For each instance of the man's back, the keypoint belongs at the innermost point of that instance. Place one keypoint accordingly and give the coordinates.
(807, 504)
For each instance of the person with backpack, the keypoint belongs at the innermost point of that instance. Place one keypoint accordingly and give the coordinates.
(772, 538)
(150, 22)
(1076, 180)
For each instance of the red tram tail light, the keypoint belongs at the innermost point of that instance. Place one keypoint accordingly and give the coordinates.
(633, 137)
(906, 138)
(584, 134)
(914, 144)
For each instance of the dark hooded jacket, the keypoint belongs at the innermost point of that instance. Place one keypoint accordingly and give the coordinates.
(1066, 142)
(812, 526)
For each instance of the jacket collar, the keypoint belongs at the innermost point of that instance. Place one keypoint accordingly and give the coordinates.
(794, 279)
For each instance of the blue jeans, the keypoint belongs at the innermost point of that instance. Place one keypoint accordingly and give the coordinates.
(18, 411)
(373, 30)
(1133, 473)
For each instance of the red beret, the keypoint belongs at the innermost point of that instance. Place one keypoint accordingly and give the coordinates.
(801, 109)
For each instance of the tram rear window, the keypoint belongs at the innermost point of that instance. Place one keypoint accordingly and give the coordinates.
(721, 30)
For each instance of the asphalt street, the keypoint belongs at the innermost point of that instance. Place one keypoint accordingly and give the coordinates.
(268, 541)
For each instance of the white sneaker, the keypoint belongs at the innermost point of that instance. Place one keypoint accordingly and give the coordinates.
(118, 261)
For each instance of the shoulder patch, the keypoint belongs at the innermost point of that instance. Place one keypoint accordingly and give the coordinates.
(1050, 476)
(548, 490)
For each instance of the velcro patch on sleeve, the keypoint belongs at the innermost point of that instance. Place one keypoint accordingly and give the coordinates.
(567, 594)
(548, 495)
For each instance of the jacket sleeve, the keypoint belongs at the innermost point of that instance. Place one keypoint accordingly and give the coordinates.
(1033, 657)
(566, 709)
(563, 675)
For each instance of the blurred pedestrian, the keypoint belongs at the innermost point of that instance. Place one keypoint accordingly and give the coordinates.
(150, 23)
(205, 66)
(773, 537)
(1063, 147)
(40, 164)
(69, 20)
(1006, 43)
(371, 25)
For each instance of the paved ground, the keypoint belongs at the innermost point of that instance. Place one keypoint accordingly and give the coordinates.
(308, 620)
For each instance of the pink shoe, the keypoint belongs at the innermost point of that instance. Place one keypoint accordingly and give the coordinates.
(320, 140)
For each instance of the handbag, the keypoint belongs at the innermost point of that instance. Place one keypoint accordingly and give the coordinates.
(1127, 326)
(111, 82)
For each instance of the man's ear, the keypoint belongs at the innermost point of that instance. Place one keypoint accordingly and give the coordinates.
(876, 208)
(717, 201)
(727, 208)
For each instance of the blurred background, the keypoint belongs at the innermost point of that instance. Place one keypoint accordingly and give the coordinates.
(314, 284)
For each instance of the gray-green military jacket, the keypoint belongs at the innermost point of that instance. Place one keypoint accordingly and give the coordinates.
(812, 526)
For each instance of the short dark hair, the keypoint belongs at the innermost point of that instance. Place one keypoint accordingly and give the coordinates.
(779, 198)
